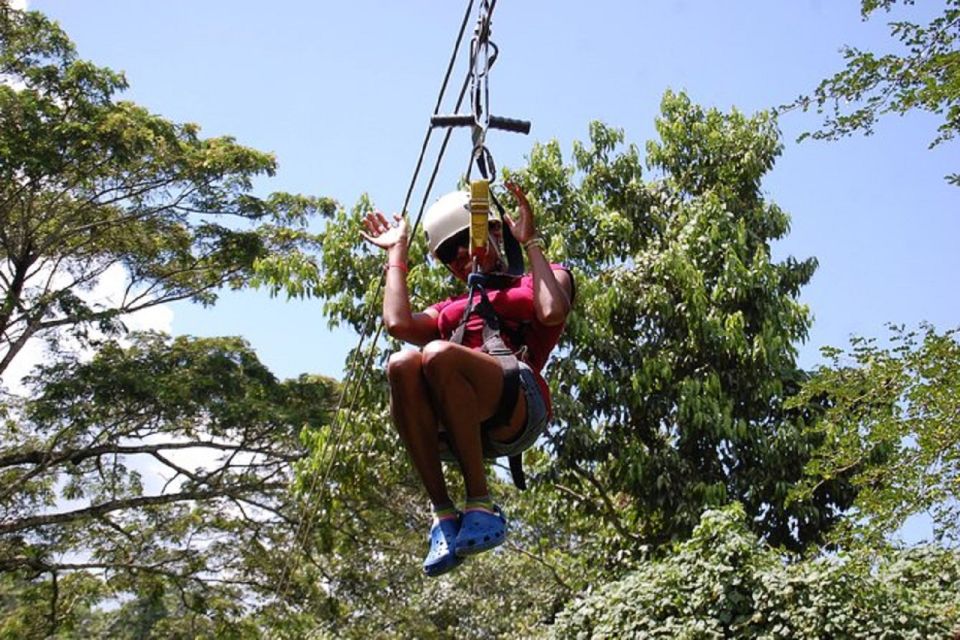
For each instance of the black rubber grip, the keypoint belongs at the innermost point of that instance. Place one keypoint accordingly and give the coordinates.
(510, 124)
(455, 120)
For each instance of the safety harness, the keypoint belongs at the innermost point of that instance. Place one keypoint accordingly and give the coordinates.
(479, 303)
(494, 345)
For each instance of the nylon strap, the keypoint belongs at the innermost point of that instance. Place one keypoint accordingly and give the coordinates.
(493, 344)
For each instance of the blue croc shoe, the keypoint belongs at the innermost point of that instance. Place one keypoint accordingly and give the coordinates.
(481, 530)
(443, 547)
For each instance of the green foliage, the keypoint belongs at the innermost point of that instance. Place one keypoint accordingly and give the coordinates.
(724, 583)
(682, 349)
(668, 389)
(88, 182)
(74, 503)
(92, 186)
(35, 610)
(924, 74)
(894, 419)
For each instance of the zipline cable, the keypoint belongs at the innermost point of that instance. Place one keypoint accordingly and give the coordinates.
(320, 479)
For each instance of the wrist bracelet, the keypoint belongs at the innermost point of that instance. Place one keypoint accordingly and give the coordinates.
(399, 265)
(534, 241)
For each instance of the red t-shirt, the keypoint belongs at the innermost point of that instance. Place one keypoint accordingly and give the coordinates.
(519, 324)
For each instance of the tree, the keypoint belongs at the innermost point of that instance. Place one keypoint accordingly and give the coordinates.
(924, 75)
(724, 583)
(669, 388)
(682, 350)
(74, 499)
(89, 185)
(894, 419)
(87, 182)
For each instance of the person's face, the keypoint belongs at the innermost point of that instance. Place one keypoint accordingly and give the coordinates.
(455, 253)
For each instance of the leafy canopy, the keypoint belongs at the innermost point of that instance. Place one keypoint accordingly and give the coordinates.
(724, 583)
(92, 186)
(923, 74)
(894, 419)
(682, 350)
(88, 182)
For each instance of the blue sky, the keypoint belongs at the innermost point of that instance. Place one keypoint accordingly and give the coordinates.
(341, 92)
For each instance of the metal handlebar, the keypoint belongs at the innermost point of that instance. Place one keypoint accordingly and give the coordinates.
(496, 122)
(510, 124)
(453, 120)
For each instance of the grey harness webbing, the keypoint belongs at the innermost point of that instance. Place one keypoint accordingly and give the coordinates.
(494, 345)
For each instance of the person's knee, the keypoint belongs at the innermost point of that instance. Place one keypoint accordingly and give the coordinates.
(403, 365)
(438, 359)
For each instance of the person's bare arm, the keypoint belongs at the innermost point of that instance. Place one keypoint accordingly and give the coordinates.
(400, 322)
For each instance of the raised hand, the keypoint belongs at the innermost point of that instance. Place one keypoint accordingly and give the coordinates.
(382, 233)
(523, 229)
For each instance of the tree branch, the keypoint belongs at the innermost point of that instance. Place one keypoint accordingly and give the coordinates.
(553, 570)
(35, 522)
(612, 516)
(38, 456)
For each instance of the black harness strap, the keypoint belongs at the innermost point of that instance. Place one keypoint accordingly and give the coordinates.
(493, 344)
(516, 471)
(511, 247)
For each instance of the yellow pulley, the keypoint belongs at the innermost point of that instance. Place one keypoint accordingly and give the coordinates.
(479, 217)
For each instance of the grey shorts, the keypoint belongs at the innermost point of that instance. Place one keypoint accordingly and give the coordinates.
(535, 426)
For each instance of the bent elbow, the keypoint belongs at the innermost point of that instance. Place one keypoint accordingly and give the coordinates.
(552, 320)
(395, 327)
(553, 317)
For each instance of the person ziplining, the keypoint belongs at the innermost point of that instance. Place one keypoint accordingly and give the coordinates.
(442, 398)
(475, 390)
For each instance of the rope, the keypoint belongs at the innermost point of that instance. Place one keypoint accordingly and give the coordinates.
(321, 479)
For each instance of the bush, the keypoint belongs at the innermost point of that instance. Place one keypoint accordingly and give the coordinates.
(725, 583)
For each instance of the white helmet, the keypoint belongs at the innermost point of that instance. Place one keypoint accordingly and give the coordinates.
(448, 216)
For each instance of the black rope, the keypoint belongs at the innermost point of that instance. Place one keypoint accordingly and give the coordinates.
(320, 479)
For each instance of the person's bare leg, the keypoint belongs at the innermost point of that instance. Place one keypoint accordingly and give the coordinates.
(465, 386)
(416, 421)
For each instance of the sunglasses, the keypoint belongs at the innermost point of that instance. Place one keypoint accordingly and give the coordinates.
(449, 249)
